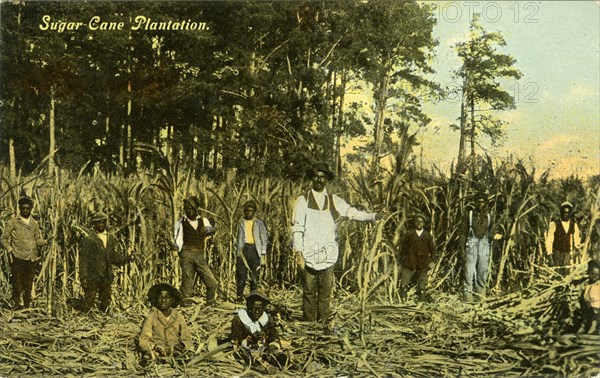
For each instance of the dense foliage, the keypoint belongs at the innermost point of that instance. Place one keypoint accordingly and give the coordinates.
(261, 89)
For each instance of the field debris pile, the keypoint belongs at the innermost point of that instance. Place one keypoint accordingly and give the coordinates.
(515, 334)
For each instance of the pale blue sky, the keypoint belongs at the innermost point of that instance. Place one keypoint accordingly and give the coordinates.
(557, 120)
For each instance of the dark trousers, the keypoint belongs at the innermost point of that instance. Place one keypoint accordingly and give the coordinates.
(102, 288)
(406, 276)
(561, 259)
(317, 287)
(22, 273)
(193, 261)
(249, 253)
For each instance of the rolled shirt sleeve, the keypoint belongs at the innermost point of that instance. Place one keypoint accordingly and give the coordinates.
(6, 235)
(298, 226)
(576, 236)
(350, 212)
(263, 235)
(178, 235)
(550, 237)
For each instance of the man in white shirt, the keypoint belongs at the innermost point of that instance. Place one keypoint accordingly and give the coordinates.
(563, 238)
(314, 234)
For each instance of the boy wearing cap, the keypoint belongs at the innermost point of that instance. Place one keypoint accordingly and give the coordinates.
(418, 257)
(254, 334)
(251, 249)
(314, 234)
(191, 234)
(164, 331)
(97, 255)
(21, 239)
(563, 238)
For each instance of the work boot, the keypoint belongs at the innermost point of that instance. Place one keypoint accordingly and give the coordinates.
(403, 293)
(479, 295)
(467, 297)
(424, 297)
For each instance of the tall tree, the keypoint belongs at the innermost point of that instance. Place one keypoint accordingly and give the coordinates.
(482, 94)
(395, 43)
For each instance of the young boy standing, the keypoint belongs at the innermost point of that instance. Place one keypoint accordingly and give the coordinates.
(164, 331)
(418, 257)
(97, 256)
(22, 238)
(251, 249)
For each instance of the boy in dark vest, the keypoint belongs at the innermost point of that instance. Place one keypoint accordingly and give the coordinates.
(563, 238)
(191, 234)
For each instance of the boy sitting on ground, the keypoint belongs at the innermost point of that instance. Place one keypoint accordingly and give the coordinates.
(254, 334)
(164, 331)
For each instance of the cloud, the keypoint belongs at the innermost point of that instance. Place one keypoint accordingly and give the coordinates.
(557, 142)
(579, 92)
(573, 166)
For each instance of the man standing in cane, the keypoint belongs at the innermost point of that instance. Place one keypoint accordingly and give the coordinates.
(21, 239)
(563, 238)
(314, 234)
(191, 234)
(477, 231)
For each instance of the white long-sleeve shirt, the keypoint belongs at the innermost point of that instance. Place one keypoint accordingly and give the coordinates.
(314, 232)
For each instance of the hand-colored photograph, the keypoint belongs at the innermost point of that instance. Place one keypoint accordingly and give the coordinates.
(387, 188)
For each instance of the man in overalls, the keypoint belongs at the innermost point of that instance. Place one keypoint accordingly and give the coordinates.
(476, 233)
(314, 234)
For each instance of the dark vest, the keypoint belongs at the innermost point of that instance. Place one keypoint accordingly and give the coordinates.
(329, 204)
(193, 238)
(563, 240)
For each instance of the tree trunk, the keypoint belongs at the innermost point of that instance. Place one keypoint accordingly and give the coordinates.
(51, 165)
(340, 125)
(472, 106)
(122, 148)
(128, 140)
(380, 102)
(463, 126)
(11, 158)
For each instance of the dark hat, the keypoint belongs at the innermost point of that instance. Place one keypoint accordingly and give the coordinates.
(321, 167)
(420, 216)
(155, 290)
(566, 204)
(99, 216)
(251, 204)
(25, 199)
(256, 295)
(193, 201)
